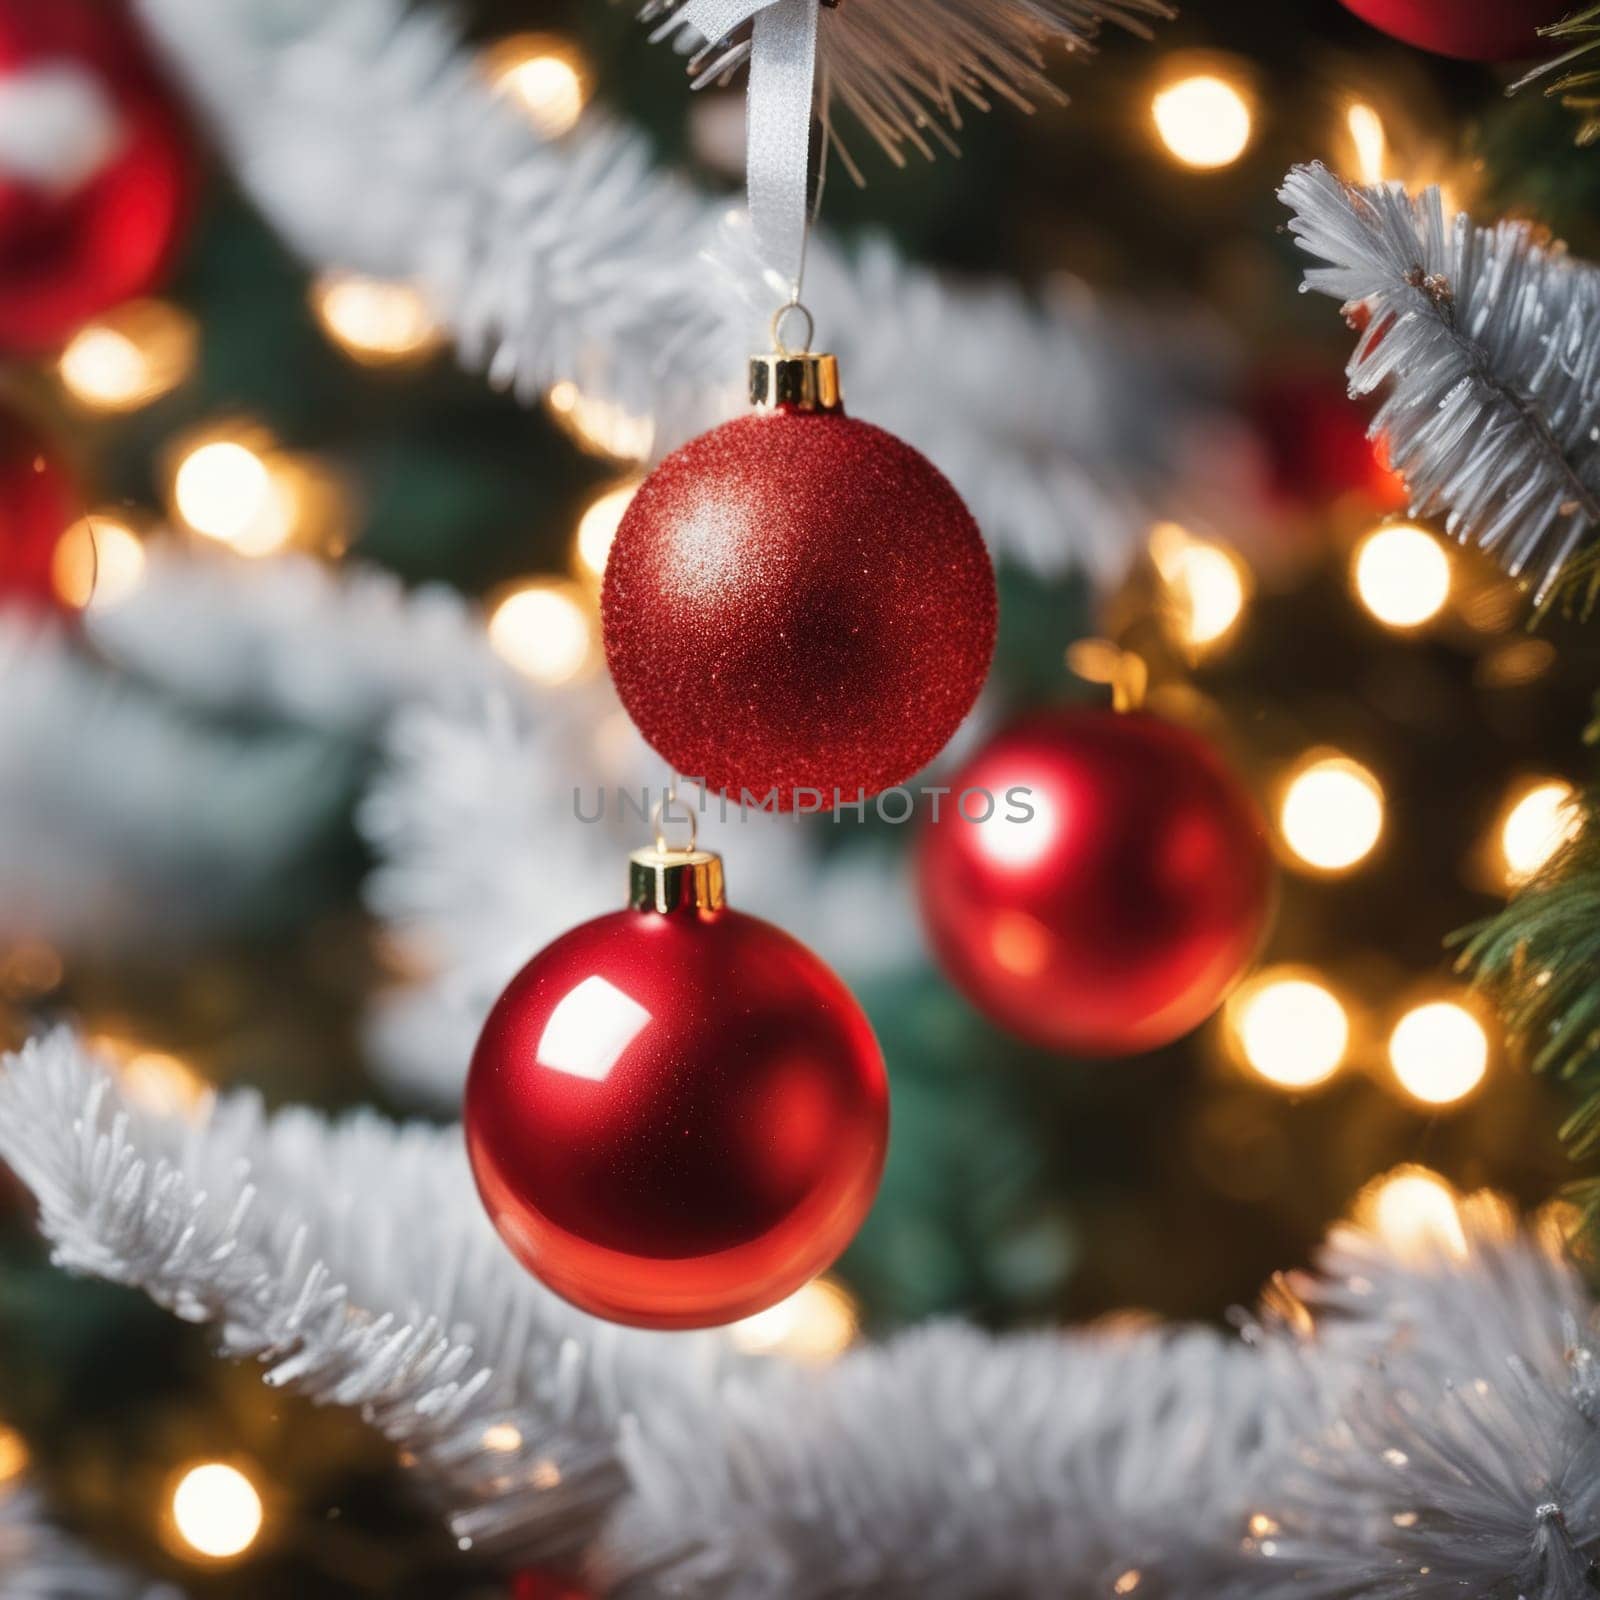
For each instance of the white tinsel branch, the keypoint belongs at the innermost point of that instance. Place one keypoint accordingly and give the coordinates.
(1411, 1425)
(904, 69)
(1483, 340)
(39, 1562)
(372, 141)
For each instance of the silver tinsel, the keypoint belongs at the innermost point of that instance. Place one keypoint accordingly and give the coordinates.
(1413, 1422)
(39, 1562)
(1483, 343)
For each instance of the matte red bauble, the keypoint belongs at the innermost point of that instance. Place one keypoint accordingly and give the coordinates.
(1119, 887)
(676, 1114)
(37, 505)
(97, 170)
(1473, 30)
(798, 601)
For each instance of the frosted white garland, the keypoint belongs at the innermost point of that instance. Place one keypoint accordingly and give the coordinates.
(369, 137)
(1410, 1426)
(1484, 343)
(483, 860)
(39, 1562)
(125, 825)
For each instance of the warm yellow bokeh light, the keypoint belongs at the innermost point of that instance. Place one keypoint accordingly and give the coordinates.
(98, 562)
(598, 425)
(163, 1084)
(1204, 120)
(544, 630)
(544, 75)
(816, 1323)
(224, 490)
(13, 1455)
(1205, 581)
(1292, 1031)
(1369, 141)
(1414, 1211)
(1439, 1052)
(374, 322)
(598, 527)
(1541, 820)
(217, 1511)
(1332, 813)
(129, 357)
(1402, 575)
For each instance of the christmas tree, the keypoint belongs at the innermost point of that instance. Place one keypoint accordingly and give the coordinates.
(738, 768)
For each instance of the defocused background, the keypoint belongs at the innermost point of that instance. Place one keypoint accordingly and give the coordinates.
(1409, 738)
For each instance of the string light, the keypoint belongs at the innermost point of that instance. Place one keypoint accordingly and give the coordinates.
(599, 426)
(1332, 813)
(1291, 1030)
(238, 489)
(98, 562)
(1205, 581)
(1402, 575)
(1439, 1052)
(1539, 822)
(544, 630)
(1204, 119)
(376, 323)
(13, 1455)
(1414, 1211)
(544, 75)
(1369, 141)
(816, 1323)
(129, 357)
(597, 527)
(217, 1511)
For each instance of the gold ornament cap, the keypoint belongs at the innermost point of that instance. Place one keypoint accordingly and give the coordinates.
(664, 880)
(794, 379)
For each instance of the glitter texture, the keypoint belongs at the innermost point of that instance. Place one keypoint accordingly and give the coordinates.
(798, 601)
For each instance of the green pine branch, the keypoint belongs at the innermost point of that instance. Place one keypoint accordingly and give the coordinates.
(1574, 76)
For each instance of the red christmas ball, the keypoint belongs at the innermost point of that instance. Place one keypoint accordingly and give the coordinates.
(1473, 30)
(676, 1117)
(798, 601)
(534, 1583)
(37, 505)
(97, 172)
(1115, 884)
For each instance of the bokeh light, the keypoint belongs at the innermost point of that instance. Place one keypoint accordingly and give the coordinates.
(544, 630)
(1204, 120)
(98, 562)
(1414, 1211)
(129, 357)
(597, 527)
(544, 75)
(1289, 1029)
(217, 1511)
(1369, 141)
(1205, 581)
(1439, 1052)
(1539, 821)
(1331, 816)
(375, 323)
(222, 490)
(816, 1323)
(1402, 575)
(599, 426)
(13, 1454)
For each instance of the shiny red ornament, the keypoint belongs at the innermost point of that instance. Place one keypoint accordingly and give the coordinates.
(798, 601)
(676, 1116)
(1472, 30)
(37, 505)
(97, 169)
(1115, 917)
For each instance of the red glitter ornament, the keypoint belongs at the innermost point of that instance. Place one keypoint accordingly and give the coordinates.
(37, 505)
(1472, 30)
(676, 1114)
(1115, 917)
(798, 601)
(97, 172)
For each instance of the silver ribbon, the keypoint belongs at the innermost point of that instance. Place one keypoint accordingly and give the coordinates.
(783, 70)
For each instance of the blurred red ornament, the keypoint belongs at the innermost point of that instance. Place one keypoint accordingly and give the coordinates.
(37, 505)
(676, 1116)
(1116, 917)
(1473, 30)
(798, 600)
(97, 169)
(1316, 442)
(536, 1584)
